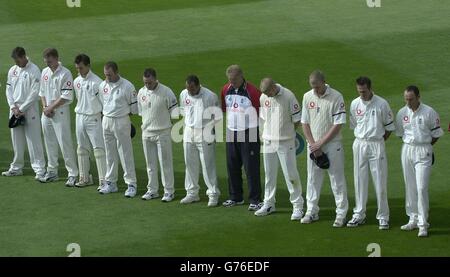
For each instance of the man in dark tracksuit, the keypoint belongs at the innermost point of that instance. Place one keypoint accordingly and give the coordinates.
(240, 101)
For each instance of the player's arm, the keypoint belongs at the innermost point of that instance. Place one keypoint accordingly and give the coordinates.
(132, 101)
(172, 105)
(326, 138)
(10, 92)
(388, 121)
(34, 92)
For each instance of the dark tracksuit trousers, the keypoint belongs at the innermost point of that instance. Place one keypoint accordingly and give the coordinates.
(243, 149)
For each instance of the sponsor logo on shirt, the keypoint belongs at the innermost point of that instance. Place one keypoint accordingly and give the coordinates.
(406, 119)
(267, 103)
(312, 105)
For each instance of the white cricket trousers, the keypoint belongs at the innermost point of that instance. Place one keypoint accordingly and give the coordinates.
(370, 155)
(276, 153)
(89, 133)
(28, 135)
(57, 131)
(116, 133)
(204, 153)
(335, 153)
(416, 163)
(159, 148)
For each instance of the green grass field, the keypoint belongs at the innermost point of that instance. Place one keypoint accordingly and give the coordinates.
(403, 42)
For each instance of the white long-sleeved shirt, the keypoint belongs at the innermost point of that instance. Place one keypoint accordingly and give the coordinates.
(56, 84)
(279, 114)
(155, 107)
(198, 111)
(89, 98)
(22, 87)
(119, 98)
(371, 119)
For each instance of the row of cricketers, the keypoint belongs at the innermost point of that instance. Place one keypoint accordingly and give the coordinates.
(103, 127)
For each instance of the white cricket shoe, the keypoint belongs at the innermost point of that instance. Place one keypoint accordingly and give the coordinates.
(190, 198)
(12, 173)
(213, 201)
(423, 232)
(85, 183)
(409, 226)
(309, 218)
(39, 176)
(383, 224)
(101, 185)
(131, 191)
(109, 188)
(339, 222)
(355, 222)
(168, 197)
(150, 195)
(297, 214)
(266, 209)
(71, 181)
(49, 177)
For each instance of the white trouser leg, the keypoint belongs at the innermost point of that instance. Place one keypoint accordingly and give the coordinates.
(191, 159)
(61, 125)
(378, 168)
(335, 152)
(18, 143)
(122, 130)
(271, 164)
(314, 185)
(83, 149)
(151, 160)
(207, 153)
(423, 172)
(51, 144)
(409, 176)
(34, 139)
(288, 161)
(166, 162)
(112, 155)
(93, 127)
(361, 177)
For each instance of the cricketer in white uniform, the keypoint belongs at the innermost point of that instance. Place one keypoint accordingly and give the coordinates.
(156, 102)
(89, 129)
(419, 127)
(372, 120)
(119, 102)
(56, 94)
(22, 94)
(323, 114)
(200, 108)
(280, 114)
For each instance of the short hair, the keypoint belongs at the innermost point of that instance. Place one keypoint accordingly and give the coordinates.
(83, 58)
(150, 72)
(193, 79)
(51, 52)
(363, 80)
(18, 52)
(317, 75)
(413, 88)
(112, 65)
(266, 84)
(234, 68)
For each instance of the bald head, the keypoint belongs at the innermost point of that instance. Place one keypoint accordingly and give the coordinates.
(268, 86)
